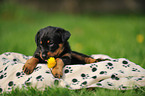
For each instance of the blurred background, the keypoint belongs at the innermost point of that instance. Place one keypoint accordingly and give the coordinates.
(84, 6)
(112, 27)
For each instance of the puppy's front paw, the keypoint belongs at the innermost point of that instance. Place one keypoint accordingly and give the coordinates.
(57, 72)
(29, 66)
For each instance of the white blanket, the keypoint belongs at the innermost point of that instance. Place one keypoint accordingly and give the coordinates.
(118, 74)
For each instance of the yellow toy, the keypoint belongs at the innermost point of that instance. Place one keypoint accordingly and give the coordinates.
(51, 62)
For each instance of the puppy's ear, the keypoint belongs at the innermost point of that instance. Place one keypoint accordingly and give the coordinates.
(37, 37)
(65, 35)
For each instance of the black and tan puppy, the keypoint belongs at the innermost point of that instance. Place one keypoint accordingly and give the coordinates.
(52, 42)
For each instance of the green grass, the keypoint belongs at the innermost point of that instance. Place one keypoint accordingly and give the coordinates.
(66, 92)
(113, 35)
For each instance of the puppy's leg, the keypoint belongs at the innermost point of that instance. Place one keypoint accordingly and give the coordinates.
(81, 58)
(30, 65)
(57, 71)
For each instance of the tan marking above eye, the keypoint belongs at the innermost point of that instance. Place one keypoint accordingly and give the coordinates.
(40, 42)
(48, 41)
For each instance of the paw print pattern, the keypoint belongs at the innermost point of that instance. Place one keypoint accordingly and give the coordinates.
(99, 84)
(37, 68)
(16, 60)
(3, 74)
(110, 84)
(1, 90)
(6, 68)
(94, 67)
(48, 72)
(39, 78)
(135, 70)
(114, 76)
(75, 81)
(6, 62)
(122, 87)
(138, 79)
(4, 59)
(7, 54)
(109, 66)
(14, 63)
(121, 71)
(125, 64)
(25, 57)
(56, 82)
(84, 84)
(94, 77)
(68, 70)
(115, 60)
(10, 85)
(101, 80)
(84, 76)
(19, 74)
(129, 77)
(103, 72)
(27, 82)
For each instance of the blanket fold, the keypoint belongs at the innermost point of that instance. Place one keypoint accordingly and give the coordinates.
(118, 74)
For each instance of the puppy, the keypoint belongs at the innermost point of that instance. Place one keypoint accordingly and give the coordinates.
(52, 42)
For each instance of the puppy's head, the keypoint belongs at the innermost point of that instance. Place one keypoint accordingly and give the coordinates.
(50, 41)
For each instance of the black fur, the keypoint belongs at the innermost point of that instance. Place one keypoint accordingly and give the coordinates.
(56, 36)
(53, 42)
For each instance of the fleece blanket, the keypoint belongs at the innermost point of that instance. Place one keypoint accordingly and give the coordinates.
(118, 74)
